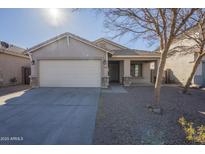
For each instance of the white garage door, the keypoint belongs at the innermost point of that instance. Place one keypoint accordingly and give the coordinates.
(70, 73)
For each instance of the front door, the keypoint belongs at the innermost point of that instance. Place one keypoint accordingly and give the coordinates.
(203, 73)
(114, 71)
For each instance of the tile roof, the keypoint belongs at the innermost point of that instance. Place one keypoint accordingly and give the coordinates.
(13, 50)
(111, 42)
(134, 52)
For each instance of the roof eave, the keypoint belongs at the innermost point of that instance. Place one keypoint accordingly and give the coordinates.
(136, 56)
(13, 54)
(96, 46)
(33, 49)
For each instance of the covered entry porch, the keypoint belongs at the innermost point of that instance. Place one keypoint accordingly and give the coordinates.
(133, 71)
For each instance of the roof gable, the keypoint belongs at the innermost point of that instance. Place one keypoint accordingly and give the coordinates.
(102, 42)
(61, 36)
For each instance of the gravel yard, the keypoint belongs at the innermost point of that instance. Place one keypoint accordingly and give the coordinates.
(123, 118)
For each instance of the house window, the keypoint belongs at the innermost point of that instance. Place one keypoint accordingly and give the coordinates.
(136, 70)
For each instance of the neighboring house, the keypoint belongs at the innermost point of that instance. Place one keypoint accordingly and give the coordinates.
(68, 60)
(180, 62)
(12, 62)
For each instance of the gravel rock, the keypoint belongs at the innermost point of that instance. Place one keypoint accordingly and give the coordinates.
(123, 118)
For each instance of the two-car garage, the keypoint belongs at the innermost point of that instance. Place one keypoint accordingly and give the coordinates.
(70, 73)
(68, 61)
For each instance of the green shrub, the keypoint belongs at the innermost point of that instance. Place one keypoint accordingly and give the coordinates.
(196, 135)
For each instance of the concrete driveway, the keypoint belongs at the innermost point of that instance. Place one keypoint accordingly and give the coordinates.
(49, 116)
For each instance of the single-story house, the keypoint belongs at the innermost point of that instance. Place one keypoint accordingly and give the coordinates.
(13, 63)
(180, 61)
(68, 60)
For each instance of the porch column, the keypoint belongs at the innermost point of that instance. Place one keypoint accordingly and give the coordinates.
(106, 65)
(156, 64)
(34, 77)
(105, 77)
(126, 76)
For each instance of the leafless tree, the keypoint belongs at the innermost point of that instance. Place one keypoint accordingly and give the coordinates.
(196, 38)
(156, 25)
(199, 48)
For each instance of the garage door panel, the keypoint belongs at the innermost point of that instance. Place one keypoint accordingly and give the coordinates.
(70, 73)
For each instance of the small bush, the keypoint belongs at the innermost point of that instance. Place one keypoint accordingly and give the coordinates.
(13, 80)
(196, 135)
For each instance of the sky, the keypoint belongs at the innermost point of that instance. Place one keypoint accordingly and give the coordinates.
(28, 27)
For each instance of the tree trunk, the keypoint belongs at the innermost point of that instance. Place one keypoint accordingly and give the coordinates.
(188, 83)
(160, 71)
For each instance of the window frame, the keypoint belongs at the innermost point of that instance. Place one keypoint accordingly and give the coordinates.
(140, 69)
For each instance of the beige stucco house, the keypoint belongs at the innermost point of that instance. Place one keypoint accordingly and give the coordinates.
(68, 60)
(12, 60)
(180, 61)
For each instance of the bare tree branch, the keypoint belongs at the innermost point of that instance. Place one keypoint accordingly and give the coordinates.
(163, 25)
